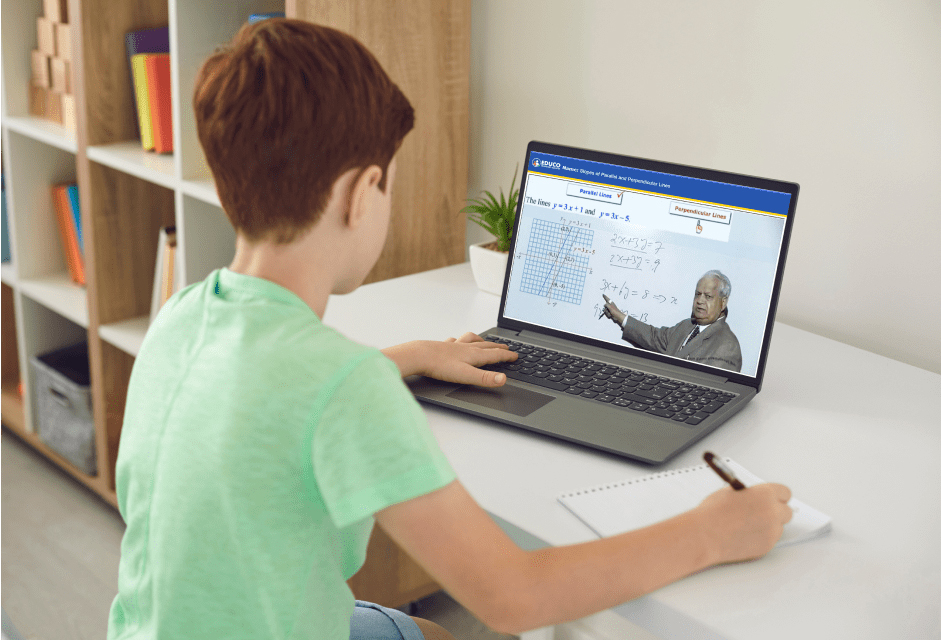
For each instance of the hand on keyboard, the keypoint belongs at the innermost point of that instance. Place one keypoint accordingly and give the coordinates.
(602, 382)
(453, 360)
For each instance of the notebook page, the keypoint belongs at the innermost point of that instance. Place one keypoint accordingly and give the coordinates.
(634, 504)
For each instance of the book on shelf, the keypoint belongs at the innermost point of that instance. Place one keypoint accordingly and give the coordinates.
(142, 42)
(158, 93)
(258, 17)
(142, 100)
(154, 108)
(68, 232)
(76, 215)
(166, 275)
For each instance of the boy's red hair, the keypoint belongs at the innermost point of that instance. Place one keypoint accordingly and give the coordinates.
(283, 111)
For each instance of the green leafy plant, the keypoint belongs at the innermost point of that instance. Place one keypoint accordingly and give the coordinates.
(496, 216)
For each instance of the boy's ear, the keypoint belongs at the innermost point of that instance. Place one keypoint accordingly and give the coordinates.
(364, 190)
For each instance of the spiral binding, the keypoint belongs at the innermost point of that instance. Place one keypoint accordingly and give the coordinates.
(624, 483)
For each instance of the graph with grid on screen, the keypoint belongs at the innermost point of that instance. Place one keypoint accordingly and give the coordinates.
(556, 261)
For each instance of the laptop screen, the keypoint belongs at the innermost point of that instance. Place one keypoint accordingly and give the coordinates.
(676, 263)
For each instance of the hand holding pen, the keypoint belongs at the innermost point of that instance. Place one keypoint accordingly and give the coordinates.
(611, 311)
(723, 470)
(744, 523)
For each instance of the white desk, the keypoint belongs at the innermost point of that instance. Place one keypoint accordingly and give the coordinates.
(822, 424)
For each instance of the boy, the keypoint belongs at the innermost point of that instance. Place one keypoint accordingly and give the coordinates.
(260, 446)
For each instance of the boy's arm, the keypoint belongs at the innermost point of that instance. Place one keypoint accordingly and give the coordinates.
(453, 360)
(512, 590)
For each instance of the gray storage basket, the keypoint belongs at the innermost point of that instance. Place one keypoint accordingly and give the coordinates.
(62, 405)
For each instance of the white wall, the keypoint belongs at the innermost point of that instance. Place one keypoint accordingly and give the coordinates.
(841, 96)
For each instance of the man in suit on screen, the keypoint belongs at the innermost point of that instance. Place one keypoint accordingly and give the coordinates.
(704, 337)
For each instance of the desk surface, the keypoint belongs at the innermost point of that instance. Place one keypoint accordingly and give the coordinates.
(824, 424)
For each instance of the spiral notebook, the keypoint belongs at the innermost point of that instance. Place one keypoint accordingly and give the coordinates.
(633, 504)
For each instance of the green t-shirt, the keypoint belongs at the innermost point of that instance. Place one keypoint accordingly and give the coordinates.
(257, 445)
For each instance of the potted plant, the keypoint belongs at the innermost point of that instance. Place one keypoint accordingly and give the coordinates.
(488, 259)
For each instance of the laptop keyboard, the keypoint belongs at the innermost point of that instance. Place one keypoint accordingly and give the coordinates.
(602, 382)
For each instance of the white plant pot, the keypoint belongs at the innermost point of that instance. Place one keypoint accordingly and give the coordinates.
(489, 268)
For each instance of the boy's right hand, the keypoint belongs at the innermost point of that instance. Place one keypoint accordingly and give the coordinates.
(453, 360)
(746, 524)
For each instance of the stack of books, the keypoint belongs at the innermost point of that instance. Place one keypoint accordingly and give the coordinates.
(50, 87)
(148, 53)
(69, 218)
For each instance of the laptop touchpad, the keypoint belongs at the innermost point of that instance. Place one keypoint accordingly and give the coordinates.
(515, 400)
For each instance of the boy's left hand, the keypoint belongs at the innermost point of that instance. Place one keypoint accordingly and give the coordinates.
(453, 360)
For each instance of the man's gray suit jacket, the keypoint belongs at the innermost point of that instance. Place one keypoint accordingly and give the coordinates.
(716, 346)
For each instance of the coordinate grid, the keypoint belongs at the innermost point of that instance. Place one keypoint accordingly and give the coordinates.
(556, 261)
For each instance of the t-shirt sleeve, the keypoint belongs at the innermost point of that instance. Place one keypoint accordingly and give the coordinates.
(371, 446)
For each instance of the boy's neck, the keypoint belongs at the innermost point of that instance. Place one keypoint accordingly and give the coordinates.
(336, 253)
(297, 266)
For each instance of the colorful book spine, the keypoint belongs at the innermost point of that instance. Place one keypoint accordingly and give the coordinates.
(68, 233)
(76, 215)
(258, 17)
(142, 95)
(145, 41)
(158, 91)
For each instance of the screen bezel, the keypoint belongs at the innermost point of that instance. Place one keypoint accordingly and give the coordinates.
(790, 188)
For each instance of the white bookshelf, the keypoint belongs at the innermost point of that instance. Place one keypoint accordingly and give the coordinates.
(59, 294)
(202, 190)
(8, 274)
(44, 131)
(127, 335)
(129, 157)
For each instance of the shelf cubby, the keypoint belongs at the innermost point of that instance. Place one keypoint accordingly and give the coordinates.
(44, 330)
(127, 214)
(32, 166)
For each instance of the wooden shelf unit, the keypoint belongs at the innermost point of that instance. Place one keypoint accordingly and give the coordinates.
(127, 194)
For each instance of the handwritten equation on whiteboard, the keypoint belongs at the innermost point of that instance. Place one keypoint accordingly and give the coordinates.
(639, 254)
(631, 298)
(634, 252)
(622, 291)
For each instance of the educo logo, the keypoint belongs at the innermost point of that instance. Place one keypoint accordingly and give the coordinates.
(545, 163)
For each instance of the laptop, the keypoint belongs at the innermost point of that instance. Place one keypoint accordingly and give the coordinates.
(640, 296)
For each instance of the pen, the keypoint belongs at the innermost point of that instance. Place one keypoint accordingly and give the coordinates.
(723, 470)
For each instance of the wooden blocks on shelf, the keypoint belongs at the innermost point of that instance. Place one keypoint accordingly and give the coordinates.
(61, 75)
(63, 41)
(41, 69)
(46, 32)
(52, 105)
(56, 10)
(50, 91)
